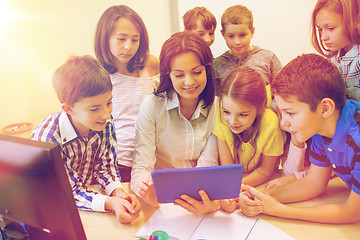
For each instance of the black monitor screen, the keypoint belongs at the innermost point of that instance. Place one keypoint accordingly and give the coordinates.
(35, 190)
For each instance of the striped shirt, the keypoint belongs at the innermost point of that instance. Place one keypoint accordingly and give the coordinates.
(349, 66)
(128, 93)
(87, 161)
(342, 153)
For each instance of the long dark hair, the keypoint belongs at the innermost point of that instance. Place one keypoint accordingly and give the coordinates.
(104, 29)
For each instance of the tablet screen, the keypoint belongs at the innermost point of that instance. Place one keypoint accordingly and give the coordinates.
(219, 182)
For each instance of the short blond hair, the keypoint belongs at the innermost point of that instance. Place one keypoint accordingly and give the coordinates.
(237, 14)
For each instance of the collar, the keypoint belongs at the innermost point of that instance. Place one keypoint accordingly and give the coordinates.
(174, 102)
(343, 125)
(67, 130)
(350, 55)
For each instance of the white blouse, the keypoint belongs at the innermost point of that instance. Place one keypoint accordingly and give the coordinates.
(166, 139)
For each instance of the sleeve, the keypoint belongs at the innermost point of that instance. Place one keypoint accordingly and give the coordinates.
(85, 199)
(317, 155)
(145, 142)
(294, 162)
(209, 157)
(275, 67)
(108, 174)
(356, 173)
(352, 80)
(222, 131)
(271, 137)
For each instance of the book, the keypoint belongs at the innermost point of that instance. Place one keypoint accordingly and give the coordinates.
(180, 224)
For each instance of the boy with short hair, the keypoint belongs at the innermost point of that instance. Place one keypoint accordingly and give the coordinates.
(85, 132)
(201, 21)
(238, 30)
(310, 93)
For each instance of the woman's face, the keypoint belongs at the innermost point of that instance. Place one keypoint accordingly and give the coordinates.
(188, 76)
(239, 115)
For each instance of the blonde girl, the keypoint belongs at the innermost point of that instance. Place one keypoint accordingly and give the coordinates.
(335, 34)
(247, 132)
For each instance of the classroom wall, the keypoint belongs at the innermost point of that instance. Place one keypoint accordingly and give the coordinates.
(37, 36)
(40, 35)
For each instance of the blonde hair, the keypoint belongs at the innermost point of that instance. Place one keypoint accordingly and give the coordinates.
(349, 10)
(237, 14)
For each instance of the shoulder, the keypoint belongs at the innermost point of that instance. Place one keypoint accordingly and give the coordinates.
(47, 129)
(152, 65)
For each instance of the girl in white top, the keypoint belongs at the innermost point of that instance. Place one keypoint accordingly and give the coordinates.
(122, 46)
(174, 126)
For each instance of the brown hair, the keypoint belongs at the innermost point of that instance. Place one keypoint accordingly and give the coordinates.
(199, 13)
(349, 10)
(80, 77)
(104, 29)
(311, 78)
(237, 14)
(180, 43)
(244, 84)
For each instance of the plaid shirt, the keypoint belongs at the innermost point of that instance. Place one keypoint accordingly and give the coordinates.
(87, 161)
(349, 66)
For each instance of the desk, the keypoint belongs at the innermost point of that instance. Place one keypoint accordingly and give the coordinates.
(104, 225)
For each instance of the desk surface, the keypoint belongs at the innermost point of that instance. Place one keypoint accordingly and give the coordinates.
(104, 225)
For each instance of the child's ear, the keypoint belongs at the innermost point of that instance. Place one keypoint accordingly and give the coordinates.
(252, 32)
(327, 106)
(67, 108)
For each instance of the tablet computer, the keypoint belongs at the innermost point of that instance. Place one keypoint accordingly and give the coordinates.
(219, 182)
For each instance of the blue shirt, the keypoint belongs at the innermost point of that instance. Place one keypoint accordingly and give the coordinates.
(342, 153)
(87, 161)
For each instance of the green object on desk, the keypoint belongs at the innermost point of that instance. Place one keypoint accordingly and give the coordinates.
(161, 235)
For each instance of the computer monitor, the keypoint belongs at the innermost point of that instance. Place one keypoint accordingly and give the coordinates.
(35, 190)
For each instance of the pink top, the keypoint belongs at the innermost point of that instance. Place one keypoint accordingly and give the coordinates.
(294, 163)
(128, 93)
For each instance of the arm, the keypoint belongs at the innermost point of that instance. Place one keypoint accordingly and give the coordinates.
(107, 174)
(209, 157)
(337, 213)
(152, 65)
(303, 189)
(225, 155)
(263, 172)
(144, 154)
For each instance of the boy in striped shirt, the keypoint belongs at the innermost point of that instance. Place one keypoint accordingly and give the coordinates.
(84, 130)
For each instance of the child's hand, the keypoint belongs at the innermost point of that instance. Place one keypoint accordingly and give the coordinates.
(280, 181)
(229, 205)
(248, 204)
(198, 207)
(147, 192)
(263, 203)
(124, 210)
(131, 198)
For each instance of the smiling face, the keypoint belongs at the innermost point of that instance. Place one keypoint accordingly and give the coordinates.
(240, 116)
(188, 76)
(332, 31)
(90, 113)
(238, 38)
(124, 41)
(298, 119)
(206, 34)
